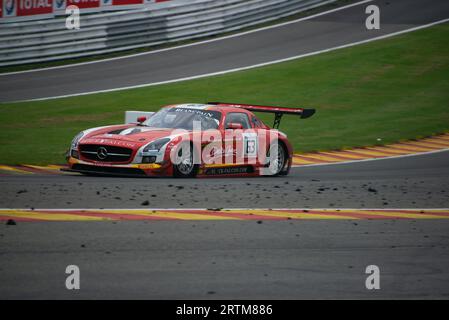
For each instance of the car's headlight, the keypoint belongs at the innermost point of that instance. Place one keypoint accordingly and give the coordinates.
(77, 138)
(156, 145)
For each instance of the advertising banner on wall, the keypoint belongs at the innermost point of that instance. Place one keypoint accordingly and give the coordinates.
(9, 8)
(154, 1)
(126, 4)
(15, 10)
(59, 6)
(102, 5)
(85, 6)
(84, 3)
(34, 7)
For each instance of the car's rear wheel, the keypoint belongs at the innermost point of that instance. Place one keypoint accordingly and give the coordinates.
(185, 167)
(277, 158)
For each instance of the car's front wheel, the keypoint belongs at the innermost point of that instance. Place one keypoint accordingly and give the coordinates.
(184, 166)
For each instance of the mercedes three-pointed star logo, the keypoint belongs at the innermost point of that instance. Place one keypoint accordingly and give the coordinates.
(102, 153)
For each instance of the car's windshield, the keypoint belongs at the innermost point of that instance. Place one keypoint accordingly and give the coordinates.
(183, 118)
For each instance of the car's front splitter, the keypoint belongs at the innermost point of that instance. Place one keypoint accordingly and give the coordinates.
(132, 169)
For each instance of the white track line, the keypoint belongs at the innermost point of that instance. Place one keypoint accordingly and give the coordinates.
(370, 159)
(195, 43)
(247, 67)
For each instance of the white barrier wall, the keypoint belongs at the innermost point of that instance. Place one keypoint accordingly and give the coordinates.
(154, 24)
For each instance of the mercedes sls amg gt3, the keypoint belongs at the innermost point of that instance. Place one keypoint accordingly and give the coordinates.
(188, 140)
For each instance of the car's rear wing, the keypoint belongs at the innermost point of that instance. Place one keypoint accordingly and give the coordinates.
(278, 111)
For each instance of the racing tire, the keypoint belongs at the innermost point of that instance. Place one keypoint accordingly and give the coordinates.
(185, 168)
(276, 166)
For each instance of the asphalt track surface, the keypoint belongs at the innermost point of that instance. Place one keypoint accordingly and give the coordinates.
(319, 33)
(410, 182)
(288, 259)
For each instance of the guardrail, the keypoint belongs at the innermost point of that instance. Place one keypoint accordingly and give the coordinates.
(49, 40)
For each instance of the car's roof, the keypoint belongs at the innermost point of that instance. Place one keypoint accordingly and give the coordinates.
(200, 106)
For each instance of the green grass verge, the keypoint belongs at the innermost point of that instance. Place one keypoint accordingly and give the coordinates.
(392, 89)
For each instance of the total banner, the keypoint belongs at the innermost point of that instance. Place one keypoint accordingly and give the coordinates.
(13, 10)
(19, 10)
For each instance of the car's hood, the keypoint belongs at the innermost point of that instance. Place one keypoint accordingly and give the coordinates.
(125, 135)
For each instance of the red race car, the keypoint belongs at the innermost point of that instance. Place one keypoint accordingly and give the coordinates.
(187, 140)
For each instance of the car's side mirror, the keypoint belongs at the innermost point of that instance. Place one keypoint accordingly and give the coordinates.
(234, 125)
(141, 119)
